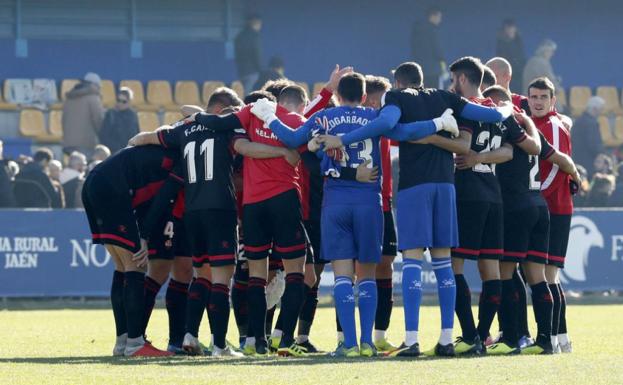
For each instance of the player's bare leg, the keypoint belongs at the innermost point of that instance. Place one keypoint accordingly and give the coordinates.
(198, 298)
(384, 276)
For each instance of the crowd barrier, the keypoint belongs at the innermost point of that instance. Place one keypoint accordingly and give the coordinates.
(49, 253)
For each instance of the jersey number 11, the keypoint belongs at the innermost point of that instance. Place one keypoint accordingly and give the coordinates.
(207, 150)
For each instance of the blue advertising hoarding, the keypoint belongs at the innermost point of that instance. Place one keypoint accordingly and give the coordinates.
(49, 253)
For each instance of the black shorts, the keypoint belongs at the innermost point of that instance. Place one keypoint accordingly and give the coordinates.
(274, 224)
(481, 234)
(390, 245)
(180, 239)
(559, 226)
(526, 235)
(314, 251)
(213, 236)
(110, 214)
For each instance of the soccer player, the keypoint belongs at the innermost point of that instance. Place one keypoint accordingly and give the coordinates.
(210, 217)
(479, 209)
(526, 237)
(555, 188)
(112, 192)
(426, 212)
(488, 78)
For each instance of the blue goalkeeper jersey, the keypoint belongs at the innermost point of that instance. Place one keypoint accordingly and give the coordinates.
(339, 121)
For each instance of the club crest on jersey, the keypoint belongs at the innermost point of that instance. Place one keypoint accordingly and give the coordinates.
(122, 229)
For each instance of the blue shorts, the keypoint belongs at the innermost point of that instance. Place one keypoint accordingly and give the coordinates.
(426, 216)
(352, 232)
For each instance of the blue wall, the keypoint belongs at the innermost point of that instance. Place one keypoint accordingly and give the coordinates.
(371, 35)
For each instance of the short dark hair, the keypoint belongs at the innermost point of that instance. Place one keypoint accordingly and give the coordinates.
(293, 94)
(43, 153)
(276, 86)
(352, 87)
(488, 77)
(542, 83)
(409, 74)
(257, 95)
(376, 84)
(497, 92)
(225, 97)
(469, 66)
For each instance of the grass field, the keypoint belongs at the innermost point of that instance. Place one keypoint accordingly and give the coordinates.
(73, 347)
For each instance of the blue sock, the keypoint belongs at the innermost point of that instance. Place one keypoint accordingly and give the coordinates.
(412, 292)
(367, 308)
(446, 290)
(345, 307)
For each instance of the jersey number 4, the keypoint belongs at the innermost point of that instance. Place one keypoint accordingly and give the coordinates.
(207, 150)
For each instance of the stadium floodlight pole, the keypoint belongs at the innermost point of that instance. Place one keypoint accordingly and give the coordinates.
(21, 44)
(136, 46)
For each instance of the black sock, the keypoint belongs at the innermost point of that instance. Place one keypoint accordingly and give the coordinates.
(270, 316)
(508, 312)
(308, 312)
(291, 304)
(553, 288)
(385, 303)
(134, 301)
(176, 299)
(240, 304)
(543, 305)
(463, 308)
(219, 313)
(256, 294)
(489, 303)
(279, 323)
(116, 299)
(198, 297)
(151, 291)
(562, 324)
(522, 309)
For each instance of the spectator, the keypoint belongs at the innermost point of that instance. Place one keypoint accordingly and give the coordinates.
(601, 189)
(579, 199)
(7, 199)
(539, 65)
(248, 53)
(82, 115)
(101, 153)
(616, 200)
(586, 137)
(120, 122)
(510, 46)
(603, 164)
(426, 48)
(275, 71)
(33, 186)
(55, 168)
(72, 179)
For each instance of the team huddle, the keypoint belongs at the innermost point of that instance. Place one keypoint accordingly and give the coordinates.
(249, 200)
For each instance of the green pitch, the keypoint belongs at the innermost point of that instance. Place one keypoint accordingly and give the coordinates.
(74, 346)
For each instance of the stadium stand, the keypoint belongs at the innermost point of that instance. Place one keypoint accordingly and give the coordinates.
(238, 87)
(109, 94)
(611, 96)
(318, 86)
(160, 95)
(55, 125)
(32, 123)
(148, 120)
(578, 98)
(67, 85)
(172, 117)
(608, 134)
(139, 94)
(187, 92)
(208, 88)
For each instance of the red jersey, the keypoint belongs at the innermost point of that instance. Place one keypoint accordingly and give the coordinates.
(386, 164)
(520, 102)
(555, 183)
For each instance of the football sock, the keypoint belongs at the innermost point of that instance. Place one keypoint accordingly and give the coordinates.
(489, 303)
(562, 324)
(368, 299)
(240, 304)
(345, 306)
(338, 325)
(198, 297)
(411, 337)
(385, 304)
(445, 338)
(446, 290)
(379, 334)
(151, 291)
(256, 294)
(553, 288)
(522, 305)
(270, 315)
(463, 308)
(542, 303)
(176, 298)
(278, 330)
(508, 312)
(219, 313)
(134, 301)
(412, 295)
(308, 312)
(116, 299)
(291, 303)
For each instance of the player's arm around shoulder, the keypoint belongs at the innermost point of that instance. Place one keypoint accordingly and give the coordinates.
(459, 145)
(145, 138)
(245, 147)
(532, 142)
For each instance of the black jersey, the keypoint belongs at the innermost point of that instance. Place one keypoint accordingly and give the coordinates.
(479, 183)
(208, 158)
(138, 171)
(424, 163)
(520, 179)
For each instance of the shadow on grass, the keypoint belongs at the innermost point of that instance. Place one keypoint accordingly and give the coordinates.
(198, 361)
